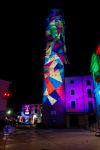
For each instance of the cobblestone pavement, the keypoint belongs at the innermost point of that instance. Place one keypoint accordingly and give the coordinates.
(4, 134)
(52, 139)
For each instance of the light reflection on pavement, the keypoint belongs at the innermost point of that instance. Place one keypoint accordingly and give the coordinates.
(52, 139)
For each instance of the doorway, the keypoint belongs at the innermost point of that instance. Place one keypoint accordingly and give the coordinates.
(74, 122)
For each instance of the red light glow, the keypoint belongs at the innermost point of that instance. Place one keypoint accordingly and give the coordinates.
(6, 94)
(98, 50)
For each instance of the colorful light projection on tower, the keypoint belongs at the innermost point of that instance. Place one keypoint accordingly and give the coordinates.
(94, 65)
(53, 90)
(95, 70)
(98, 50)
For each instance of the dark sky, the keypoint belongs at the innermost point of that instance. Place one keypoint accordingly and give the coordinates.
(22, 42)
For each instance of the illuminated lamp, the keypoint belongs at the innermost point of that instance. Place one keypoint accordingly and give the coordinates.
(99, 92)
(6, 94)
(9, 112)
(98, 50)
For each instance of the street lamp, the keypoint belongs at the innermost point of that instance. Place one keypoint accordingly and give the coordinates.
(9, 112)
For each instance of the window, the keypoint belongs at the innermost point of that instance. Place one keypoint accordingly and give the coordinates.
(72, 104)
(88, 82)
(71, 81)
(90, 105)
(72, 92)
(89, 92)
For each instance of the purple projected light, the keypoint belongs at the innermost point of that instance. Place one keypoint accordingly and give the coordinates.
(79, 92)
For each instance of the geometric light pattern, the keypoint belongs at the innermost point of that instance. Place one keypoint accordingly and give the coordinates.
(53, 89)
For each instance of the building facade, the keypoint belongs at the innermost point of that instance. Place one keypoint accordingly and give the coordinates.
(30, 114)
(80, 106)
(80, 102)
(4, 94)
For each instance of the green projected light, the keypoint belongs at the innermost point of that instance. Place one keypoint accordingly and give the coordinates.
(94, 63)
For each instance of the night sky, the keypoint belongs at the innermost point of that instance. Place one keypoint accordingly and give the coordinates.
(23, 41)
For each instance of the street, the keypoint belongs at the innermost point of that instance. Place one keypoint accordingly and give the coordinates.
(52, 139)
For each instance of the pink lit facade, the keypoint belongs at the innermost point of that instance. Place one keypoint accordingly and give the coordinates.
(4, 94)
(80, 101)
(30, 114)
(79, 94)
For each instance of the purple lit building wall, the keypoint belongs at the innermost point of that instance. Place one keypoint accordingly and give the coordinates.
(80, 101)
(79, 94)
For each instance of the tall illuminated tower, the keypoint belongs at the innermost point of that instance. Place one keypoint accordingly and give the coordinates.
(53, 87)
